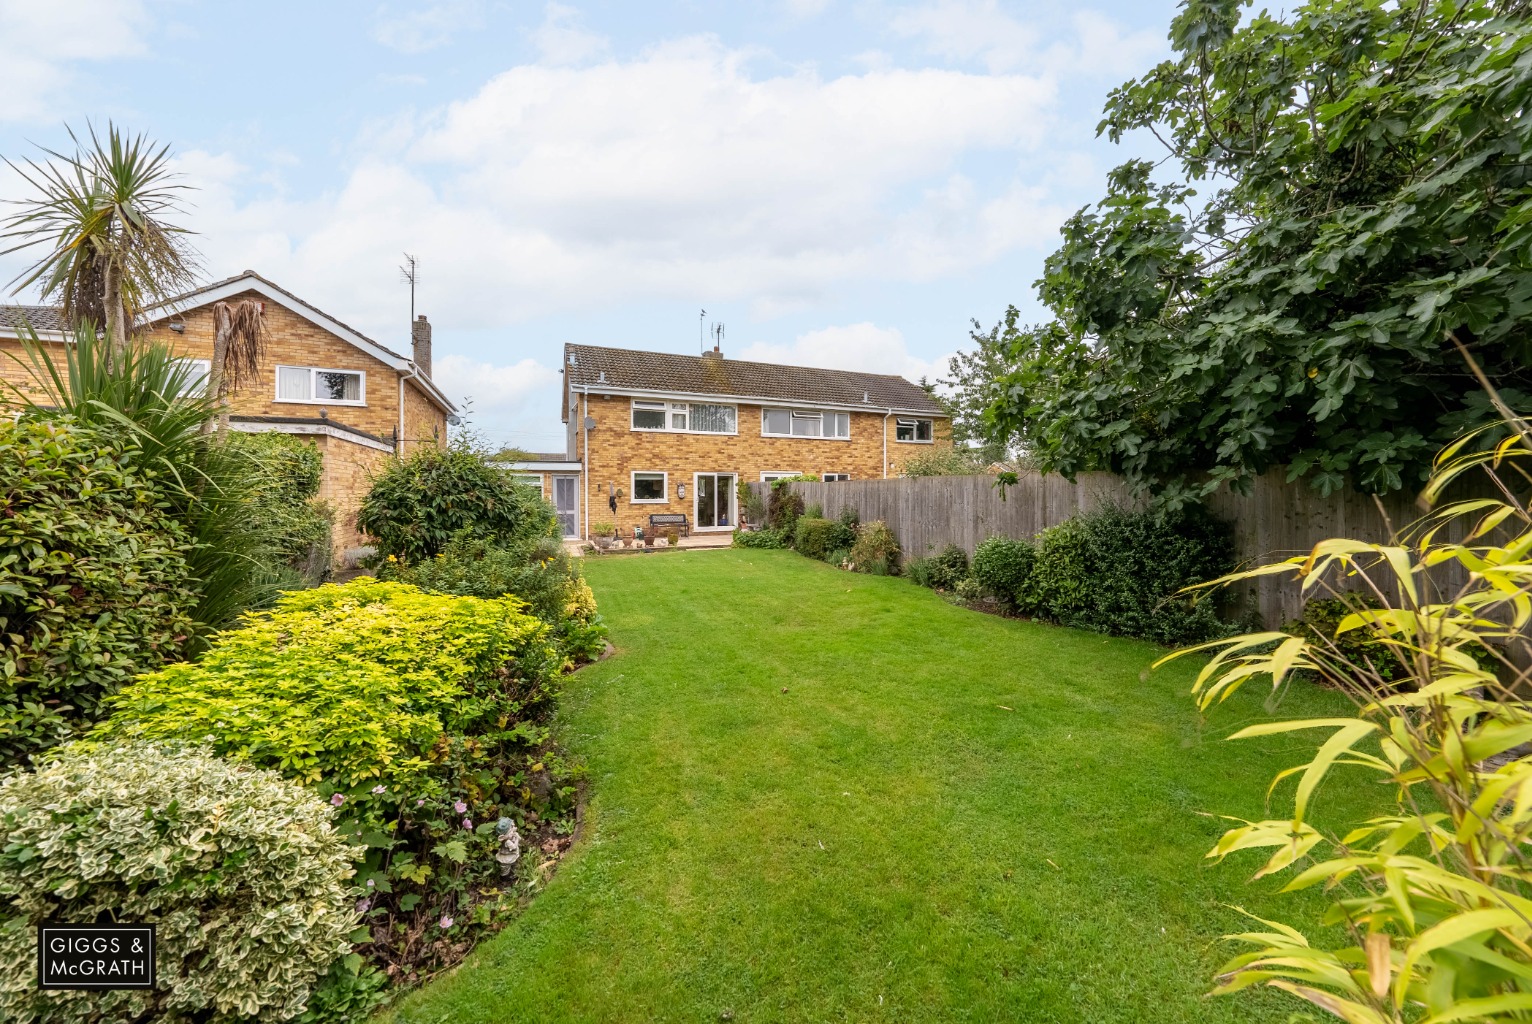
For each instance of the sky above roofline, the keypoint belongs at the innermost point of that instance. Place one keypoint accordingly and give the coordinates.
(840, 184)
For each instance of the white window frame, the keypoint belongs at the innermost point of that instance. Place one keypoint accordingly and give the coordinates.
(823, 414)
(206, 365)
(276, 394)
(671, 409)
(833, 477)
(777, 474)
(914, 421)
(634, 499)
(531, 479)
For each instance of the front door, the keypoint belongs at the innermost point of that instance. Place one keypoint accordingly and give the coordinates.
(715, 501)
(567, 504)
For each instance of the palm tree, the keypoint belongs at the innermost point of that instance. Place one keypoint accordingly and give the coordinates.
(100, 213)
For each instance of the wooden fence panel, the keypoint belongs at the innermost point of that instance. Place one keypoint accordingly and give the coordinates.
(1275, 520)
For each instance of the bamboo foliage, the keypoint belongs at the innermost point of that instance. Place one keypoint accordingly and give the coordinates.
(1435, 896)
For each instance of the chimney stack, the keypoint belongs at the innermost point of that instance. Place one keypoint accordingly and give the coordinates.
(420, 335)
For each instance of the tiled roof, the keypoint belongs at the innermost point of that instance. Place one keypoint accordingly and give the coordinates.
(669, 372)
(39, 318)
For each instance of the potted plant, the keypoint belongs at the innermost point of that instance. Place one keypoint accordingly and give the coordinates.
(603, 532)
(672, 536)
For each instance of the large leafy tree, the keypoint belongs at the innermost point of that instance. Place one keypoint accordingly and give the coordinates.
(100, 215)
(1365, 219)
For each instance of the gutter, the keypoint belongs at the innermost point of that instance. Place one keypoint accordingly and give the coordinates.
(885, 442)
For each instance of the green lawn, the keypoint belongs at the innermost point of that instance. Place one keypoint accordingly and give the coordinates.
(807, 803)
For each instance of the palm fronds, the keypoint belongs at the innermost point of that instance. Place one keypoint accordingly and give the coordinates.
(159, 403)
(100, 213)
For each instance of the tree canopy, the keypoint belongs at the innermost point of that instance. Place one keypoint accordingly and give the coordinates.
(1367, 210)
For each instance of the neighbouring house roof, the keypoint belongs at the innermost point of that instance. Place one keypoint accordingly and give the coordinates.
(11, 319)
(618, 371)
(38, 318)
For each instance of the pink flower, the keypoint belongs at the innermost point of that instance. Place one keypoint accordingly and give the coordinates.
(467, 824)
(460, 807)
(379, 790)
(369, 883)
(337, 800)
(421, 802)
(362, 906)
(446, 921)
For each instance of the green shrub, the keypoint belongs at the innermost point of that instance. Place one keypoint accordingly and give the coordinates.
(813, 536)
(241, 872)
(540, 572)
(420, 503)
(752, 506)
(284, 493)
(765, 539)
(941, 571)
(783, 508)
(876, 551)
(1001, 567)
(850, 518)
(1116, 570)
(839, 556)
(95, 582)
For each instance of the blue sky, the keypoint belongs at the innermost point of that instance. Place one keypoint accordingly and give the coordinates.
(840, 182)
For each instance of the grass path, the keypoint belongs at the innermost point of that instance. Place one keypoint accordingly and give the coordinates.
(808, 804)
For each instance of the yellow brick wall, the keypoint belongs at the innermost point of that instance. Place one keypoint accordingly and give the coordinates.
(349, 470)
(616, 451)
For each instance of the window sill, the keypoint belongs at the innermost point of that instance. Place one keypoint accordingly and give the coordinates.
(648, 501)
(700, 433)
(320, 401)
(897, 441)
(802, 437)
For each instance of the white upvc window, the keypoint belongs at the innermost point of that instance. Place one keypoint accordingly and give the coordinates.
(530, 480)
(198, 371)
(916, 431)
(805, 423)
(316, 385)
(649, 488)
(684, 417)
(831, 477)
(779, 474)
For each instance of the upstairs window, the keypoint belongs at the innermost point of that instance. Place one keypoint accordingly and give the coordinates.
(648, 415)
(316, 385)
(912, 430)
(805, 423)
(684, 417)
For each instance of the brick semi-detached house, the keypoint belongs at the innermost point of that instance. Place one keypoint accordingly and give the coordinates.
(660, 433)
(359, 402)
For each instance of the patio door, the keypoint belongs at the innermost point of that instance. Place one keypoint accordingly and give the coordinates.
(566, 503)
(715, 501)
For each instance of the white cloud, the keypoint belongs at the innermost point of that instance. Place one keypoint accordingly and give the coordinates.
(675, 174)
(805, 8)
(969, 30)
(865, 347)
(979, 30)
(563, 39)
(494, 389)
(36, 77)
(427, 27)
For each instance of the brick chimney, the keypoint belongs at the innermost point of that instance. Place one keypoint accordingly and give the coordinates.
(420, 335)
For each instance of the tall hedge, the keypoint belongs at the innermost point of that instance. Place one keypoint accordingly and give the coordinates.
(95, 585)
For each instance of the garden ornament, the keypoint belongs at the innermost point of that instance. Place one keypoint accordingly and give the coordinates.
(510, 846)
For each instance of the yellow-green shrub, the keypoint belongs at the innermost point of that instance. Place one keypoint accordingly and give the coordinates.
(419, 716)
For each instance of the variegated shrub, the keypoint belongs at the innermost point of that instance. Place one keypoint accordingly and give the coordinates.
(241, 871)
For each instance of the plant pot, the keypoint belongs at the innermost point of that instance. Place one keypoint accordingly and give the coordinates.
(648, 542)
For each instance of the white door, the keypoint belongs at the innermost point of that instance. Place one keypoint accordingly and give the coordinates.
(566, 503)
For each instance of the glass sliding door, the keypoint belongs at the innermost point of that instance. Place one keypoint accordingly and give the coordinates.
(715, 501)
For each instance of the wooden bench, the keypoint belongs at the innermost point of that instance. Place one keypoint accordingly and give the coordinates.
(662, 520)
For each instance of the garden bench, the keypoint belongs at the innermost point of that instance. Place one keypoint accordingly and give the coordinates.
(664, 519)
